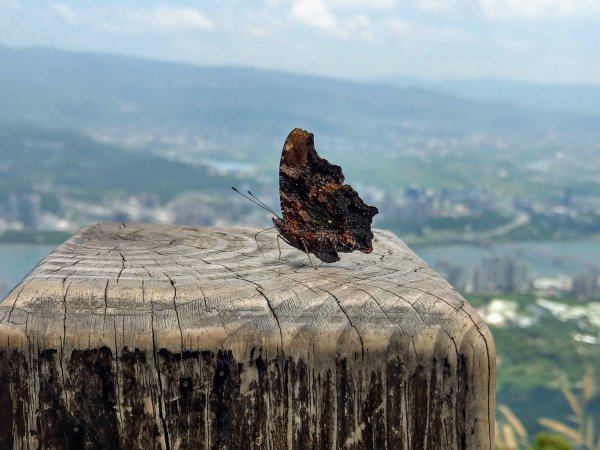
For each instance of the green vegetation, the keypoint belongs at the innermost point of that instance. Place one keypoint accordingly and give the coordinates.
(450, 225)
(536, 361)
(576, 433)
(511, 434)
(580, 426)
(544, 353)
(544, 227)
(56, 163)
(540, 227)
(522, 299)
(545, 441)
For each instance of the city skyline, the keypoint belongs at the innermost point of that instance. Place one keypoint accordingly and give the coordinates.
(548, 41)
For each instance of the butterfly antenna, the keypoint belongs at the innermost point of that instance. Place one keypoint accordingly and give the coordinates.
(264, 204)
(254, 201)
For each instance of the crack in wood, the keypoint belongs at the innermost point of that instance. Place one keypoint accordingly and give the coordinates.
(489, 368)
(161, 398)
(63, 343)
(122, 266)
(118, 371)
(360, 338)
(64, 267)
(274, 316)
(106, 298)
(12, 307)
(176, 311)
(147, 271)
(187, 267)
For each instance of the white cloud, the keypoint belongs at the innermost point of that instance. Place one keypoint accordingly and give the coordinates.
(10, 4)
(514, 46)
(535, 9)
(501, 9)
(359, 25)
(67, 13)
(346, 25)
(121, 19)
(432, 5)
(256, 24)
(176, 17)
(322, 13)
(399, 26)
(361, 4)
(314, 13)
(421, 32)
(439, 6)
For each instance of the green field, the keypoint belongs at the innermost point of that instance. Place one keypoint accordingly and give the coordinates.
(535, 362)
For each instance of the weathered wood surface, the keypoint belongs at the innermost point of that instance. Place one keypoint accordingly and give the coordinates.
(164, 337)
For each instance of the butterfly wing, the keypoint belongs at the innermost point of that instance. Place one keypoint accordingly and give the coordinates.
(327, 215)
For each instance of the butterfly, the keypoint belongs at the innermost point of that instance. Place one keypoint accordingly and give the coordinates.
(321, 215)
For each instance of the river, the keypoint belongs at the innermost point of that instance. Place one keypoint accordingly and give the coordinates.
(542, 258)
(16, 261)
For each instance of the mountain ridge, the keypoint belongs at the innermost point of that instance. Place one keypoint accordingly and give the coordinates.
(226, 90)
(194, 112)
(577, 98)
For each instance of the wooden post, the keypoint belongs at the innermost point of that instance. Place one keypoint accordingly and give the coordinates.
(165, 337)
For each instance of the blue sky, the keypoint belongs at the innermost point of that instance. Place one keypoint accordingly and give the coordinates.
(538, 40)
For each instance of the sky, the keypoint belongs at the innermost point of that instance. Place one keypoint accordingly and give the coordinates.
(549, 41)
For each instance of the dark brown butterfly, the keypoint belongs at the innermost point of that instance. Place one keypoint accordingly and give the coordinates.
(321, 214)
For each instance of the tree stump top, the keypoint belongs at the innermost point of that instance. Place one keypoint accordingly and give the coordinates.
(213, 286)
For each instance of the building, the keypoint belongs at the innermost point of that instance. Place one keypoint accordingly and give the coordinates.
(26, 209)
(500, 274)
(586, 287)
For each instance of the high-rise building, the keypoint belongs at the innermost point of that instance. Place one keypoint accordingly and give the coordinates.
(586, 287)
(25, 208)
(500, 274)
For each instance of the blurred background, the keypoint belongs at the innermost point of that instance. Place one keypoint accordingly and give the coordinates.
(473, 125)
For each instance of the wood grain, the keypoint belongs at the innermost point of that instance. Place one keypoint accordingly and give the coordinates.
(165, 337)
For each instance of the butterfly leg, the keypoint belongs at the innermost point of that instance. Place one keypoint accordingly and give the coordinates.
(308, 254)
(256, 240)
(278, 248)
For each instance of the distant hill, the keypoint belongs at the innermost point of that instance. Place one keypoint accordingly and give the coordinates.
(62, 88)
(246, 107)
(383, 135)
(59, 162)
(581, 99)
